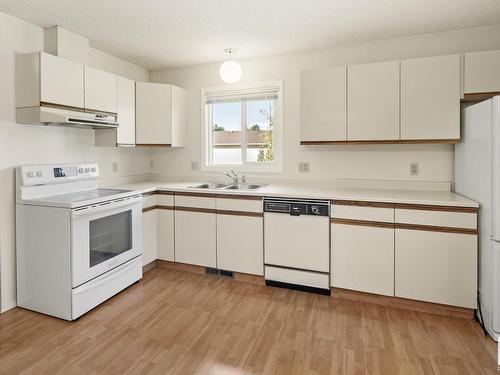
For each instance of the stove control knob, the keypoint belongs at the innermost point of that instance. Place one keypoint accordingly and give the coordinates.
(31, 174)
(80, 170)
(87, 170)
(315, 210)
(93, 169)
(39, 173)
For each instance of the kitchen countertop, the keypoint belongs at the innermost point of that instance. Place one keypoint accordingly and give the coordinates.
(423, 197)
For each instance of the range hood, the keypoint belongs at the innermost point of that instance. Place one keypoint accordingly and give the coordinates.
(62, 116)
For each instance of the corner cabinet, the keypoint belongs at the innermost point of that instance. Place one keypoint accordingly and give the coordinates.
(323, 105)
(149, 229)
(430, 98)
(165, 212)
(373, 101)
(160, 115)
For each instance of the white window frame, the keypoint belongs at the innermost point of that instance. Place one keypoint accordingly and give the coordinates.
(272, 167)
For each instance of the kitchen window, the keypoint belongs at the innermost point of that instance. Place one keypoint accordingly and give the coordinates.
(242, 127)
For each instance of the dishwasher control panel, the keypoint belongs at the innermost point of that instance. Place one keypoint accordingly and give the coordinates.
(297, 207)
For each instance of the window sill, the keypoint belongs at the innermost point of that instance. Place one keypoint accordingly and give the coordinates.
(244, 168)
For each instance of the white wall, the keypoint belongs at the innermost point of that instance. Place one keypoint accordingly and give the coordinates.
(26, 144)
(390, 162)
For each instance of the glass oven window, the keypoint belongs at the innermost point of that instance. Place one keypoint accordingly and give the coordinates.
(110, 236)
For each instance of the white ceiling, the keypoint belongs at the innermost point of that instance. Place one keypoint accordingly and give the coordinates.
(166, 33)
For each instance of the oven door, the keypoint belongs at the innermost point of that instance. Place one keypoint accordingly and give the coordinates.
(104, 236)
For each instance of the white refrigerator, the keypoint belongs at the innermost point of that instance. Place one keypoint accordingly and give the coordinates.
(477, 176)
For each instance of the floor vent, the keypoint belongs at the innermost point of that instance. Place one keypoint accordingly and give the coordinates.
(218, 272)
(212, 271)
(229, 274)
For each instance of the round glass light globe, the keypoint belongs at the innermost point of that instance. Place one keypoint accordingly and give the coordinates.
(230, 71)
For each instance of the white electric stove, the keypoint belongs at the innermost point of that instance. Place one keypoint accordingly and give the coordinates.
(77, 245)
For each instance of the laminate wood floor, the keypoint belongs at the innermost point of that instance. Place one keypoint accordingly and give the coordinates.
(175, 322)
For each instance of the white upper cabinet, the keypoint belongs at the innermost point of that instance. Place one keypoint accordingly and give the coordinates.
(160, 114)
(124, 134)
(100, 90)
(373, 101)
(430, 98)
(44, 78)
(323, 105)
(126, 111)
(178, 116)
(482, 72)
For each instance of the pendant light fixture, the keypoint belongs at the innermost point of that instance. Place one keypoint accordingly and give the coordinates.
(230, 70)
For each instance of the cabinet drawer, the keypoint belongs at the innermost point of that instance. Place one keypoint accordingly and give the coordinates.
(466, 220)
(195, 202)
(383, 214)
(164, 199)
(245, 205)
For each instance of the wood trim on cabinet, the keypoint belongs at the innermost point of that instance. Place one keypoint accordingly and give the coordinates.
(194, 194)
(362, 223)
(149, 193)
(196, 209)
(435, 228)
(163, 192)
(153, 145)
(164, 207)
(382, 142)
(147, 209)
(215, 195)
(428, 207)
(76, 109)
(239, 213)
(362, 203)
(404, 303)
(242, 197)
(476, 97)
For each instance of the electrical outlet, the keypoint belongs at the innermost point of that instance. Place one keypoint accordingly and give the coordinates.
(304, 167)
(114, 167)
(195, 165)
(414, 169)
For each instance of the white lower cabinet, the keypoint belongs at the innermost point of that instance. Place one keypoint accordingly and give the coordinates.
(149, 237)
(165, 234)
(363, 258)
(436, 267)
(195, 231)
(240, 244)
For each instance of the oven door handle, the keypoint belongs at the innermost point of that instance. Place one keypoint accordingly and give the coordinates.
(105, 206)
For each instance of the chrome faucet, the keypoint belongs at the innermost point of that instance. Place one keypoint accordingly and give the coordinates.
(233, 176)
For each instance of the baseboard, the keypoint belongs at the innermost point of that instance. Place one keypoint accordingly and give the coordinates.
(404, 303)
(149, 266)
(179, 266)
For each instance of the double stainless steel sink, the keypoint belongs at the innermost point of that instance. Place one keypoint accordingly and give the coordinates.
(220, 186)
